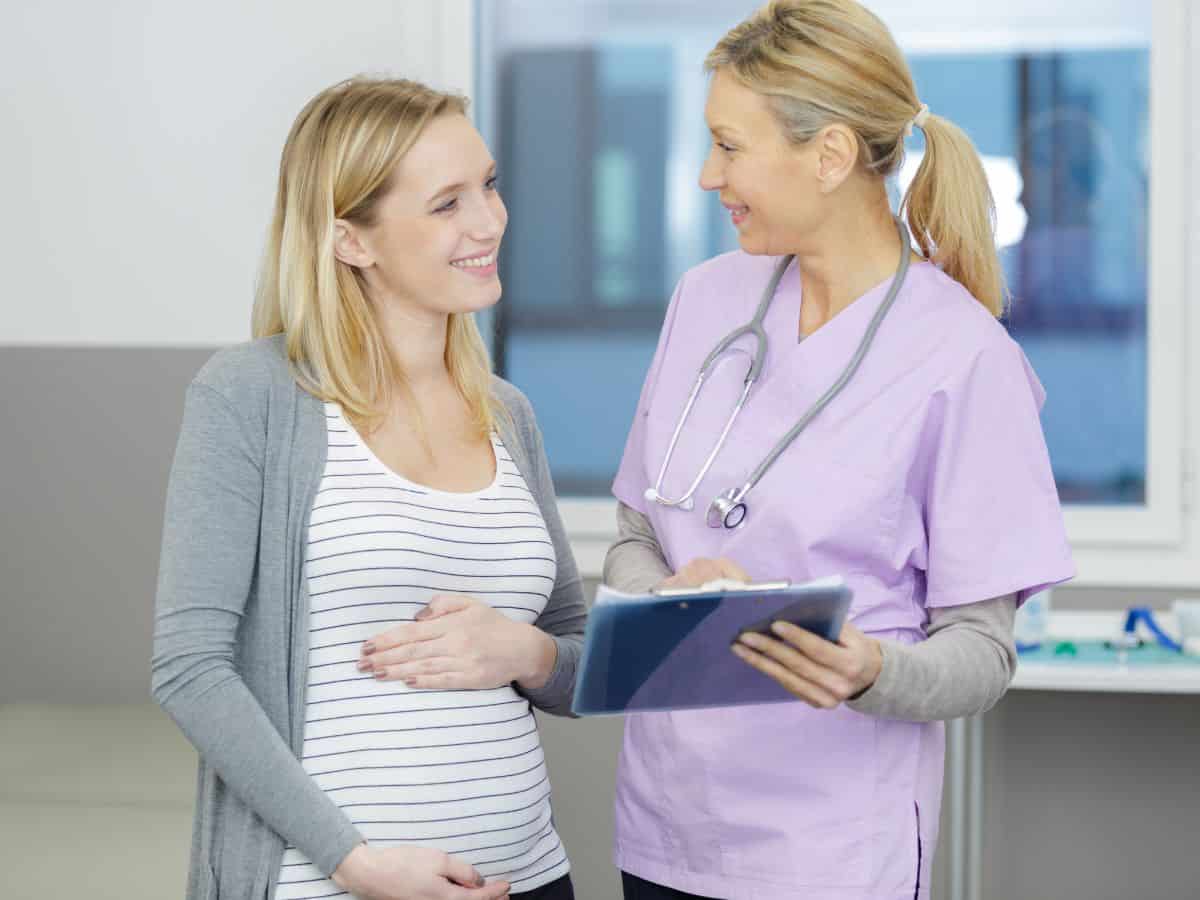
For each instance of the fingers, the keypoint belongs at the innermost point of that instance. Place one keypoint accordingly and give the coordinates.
(855, 657)
(417, 672)
(700, 571)
(404, 653)
(830, 681)
(803, 689)
(817, 671)
(811, 645)
(444, 605)
(405, 633)
(449, 681)
(462, 873)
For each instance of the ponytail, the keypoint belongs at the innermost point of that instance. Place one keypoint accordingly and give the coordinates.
(952, 216)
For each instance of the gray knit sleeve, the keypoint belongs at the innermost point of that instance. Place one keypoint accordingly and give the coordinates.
(566, 611)
(962, 668)
(210, 541)
(635, 563)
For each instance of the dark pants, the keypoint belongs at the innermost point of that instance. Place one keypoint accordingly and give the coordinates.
(559, 889)
(640, 889)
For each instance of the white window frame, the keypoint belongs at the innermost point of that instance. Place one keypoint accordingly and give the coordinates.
(1156, 544)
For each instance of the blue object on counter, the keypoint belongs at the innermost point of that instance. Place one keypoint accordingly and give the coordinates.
(1143, 615)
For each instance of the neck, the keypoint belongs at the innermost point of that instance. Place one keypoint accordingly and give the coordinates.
(856, 249)
(417, 341)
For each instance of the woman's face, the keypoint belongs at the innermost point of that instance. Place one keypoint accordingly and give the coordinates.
(768, 184)
(434, 244)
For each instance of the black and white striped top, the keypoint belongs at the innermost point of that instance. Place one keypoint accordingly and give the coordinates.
(461, 771)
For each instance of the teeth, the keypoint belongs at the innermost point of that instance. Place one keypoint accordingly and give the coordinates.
(478, 262)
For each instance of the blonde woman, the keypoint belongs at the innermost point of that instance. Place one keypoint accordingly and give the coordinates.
(924, 481)
(365, 584)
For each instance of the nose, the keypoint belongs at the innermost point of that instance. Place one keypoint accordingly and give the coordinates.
(712, 178)
(488, 218)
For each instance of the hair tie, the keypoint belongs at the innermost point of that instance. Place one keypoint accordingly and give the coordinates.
(917, 121)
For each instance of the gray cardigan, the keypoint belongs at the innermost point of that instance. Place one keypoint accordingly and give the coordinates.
(231, 613)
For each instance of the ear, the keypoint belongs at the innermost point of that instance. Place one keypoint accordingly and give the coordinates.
(837, 155)
(348, 246)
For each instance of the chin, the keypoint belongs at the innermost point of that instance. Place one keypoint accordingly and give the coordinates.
(484, 297)
(752, 244)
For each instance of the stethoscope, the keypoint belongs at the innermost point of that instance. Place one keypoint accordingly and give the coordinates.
(729, 507)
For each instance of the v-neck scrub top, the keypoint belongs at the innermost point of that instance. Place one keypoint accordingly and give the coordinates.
(925, 483)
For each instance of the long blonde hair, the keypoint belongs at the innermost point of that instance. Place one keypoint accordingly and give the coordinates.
(818, 62)
(337, 163)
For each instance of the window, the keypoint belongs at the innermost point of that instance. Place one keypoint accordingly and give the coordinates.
(597, 120)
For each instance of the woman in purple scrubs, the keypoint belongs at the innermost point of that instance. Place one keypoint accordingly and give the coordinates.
(925, 483)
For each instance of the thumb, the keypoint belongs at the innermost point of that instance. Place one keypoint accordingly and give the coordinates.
(462, 873)
(497, 890)
(730, 569)
(851, 636)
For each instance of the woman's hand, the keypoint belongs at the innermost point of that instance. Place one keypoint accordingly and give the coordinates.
(820, 673)
(460, 643)
(701, 571)
(412, 873)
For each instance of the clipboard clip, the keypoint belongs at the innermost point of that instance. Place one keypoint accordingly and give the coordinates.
(724, 585)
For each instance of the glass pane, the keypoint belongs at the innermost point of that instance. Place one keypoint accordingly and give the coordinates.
(600, 135)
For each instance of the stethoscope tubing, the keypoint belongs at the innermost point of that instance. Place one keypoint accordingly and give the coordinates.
(729, 507)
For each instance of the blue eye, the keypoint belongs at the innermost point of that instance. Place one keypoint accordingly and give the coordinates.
(447, 206)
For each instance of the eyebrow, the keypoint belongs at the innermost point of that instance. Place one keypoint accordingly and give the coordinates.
(723, 131)
(459, 185)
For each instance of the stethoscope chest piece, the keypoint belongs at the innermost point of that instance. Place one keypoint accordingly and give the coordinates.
(726, 510)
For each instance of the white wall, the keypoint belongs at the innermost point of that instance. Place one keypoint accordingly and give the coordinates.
(139, 144)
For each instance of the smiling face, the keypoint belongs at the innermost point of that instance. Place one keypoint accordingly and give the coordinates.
(433, 243)
(772, 188)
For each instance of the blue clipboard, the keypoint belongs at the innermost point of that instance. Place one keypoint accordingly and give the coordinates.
(671, 650)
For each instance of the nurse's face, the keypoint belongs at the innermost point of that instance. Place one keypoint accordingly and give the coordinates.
(770, 186)
(433, 245)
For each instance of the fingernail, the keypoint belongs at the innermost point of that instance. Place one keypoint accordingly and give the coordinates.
(479, 881)
(369, 647)
(364, 665)
(381, 673)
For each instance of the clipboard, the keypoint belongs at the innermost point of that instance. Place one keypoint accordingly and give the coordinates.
(671, 650)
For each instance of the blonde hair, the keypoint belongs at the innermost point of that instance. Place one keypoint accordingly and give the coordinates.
(337, 163)
(818, 62)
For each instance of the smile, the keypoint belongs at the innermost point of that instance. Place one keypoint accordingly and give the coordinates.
(737, 213)
(475, 262)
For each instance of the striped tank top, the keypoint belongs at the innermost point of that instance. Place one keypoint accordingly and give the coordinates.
(461, 771)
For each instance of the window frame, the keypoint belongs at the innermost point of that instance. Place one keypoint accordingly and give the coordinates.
(1157, 543)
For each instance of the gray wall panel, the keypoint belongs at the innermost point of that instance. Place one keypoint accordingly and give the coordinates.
(89, 438)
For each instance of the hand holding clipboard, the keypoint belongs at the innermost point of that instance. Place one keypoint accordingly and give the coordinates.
(671, 649)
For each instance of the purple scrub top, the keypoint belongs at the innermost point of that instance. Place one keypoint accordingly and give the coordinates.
(925, 483)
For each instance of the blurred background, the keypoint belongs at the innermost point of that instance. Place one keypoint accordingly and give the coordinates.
(137, 170)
